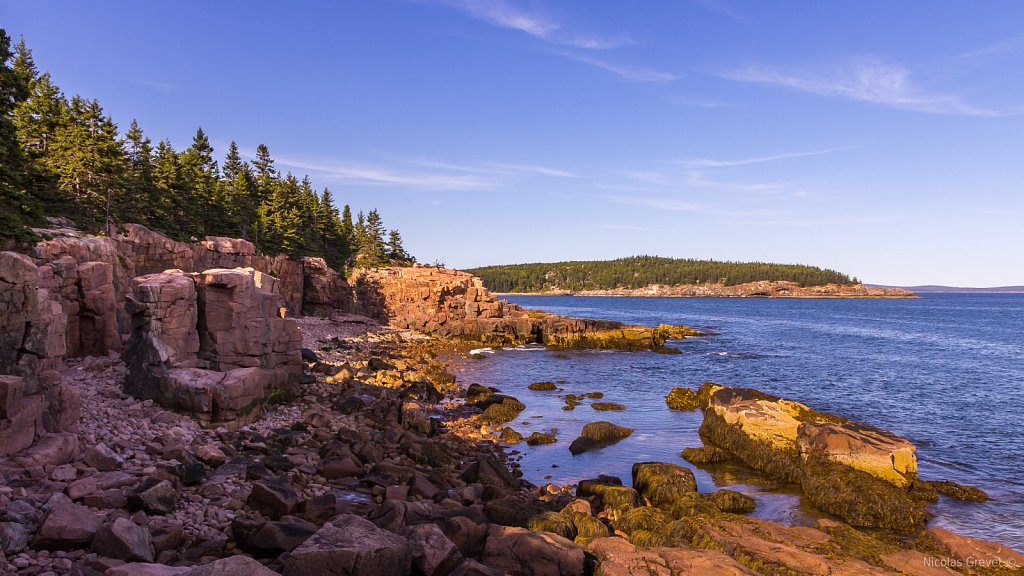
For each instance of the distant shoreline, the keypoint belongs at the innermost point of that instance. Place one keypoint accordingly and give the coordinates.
(763, 289)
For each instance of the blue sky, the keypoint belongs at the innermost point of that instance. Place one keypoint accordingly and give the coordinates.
(882, 139)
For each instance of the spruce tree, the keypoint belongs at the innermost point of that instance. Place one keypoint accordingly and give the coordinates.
(371, 247)
(395, 249)
(141, 203)
(17, 207)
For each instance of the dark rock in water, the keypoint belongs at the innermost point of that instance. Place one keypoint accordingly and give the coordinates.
(309, 355)
(668, 350)
(509, 436)
(538, 438)
(958, 491)
(506, 411)
(593, 395)
(732, 501)
(273, 498)
(684, 399)
(124, 540)
(542, 386)
(663, 483)
(705, 455)
(154, 496)
(598, 435)
(351, 546)
(607, 406)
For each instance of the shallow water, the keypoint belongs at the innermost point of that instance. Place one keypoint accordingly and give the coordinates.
(946, 371)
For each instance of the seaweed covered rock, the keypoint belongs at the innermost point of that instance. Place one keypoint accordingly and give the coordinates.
(732, 501)
(663, 483)
(542, 386)
(502, 412)
(705, 455)
(684, 399)
(598, 435)
(607, 406)
(538, 438)
(862, 474)
(509, 436)
(609, 492)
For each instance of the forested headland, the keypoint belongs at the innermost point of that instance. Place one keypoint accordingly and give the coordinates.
(65, 157)
(640, 271)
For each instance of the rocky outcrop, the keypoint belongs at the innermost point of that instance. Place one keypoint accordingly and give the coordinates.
(759, 289)
(213, 344)
(33, 344)
(454, 304)
(865, 475)
(323, 290)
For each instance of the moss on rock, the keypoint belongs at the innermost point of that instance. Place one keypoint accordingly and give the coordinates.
(598, 435)
(684, 399)
(732, 501)
(538, 438)
(542, 386)
(644, 518)
(554, 522)
(509, 436)
(705, 455)
(607, 406)
(500, 413)
(663, 483)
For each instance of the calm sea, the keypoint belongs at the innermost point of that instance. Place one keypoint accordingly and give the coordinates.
(945, 371)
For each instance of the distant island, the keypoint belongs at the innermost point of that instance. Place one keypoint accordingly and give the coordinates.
(933, 289)
(678, 277)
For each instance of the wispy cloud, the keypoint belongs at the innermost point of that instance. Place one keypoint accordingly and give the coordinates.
(422, 173)
(873, 82)
(627, 73)
(161, 86)
(504, 14)
(712, 163)
(658, 203)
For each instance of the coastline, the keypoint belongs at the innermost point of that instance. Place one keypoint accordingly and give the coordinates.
(763, 289)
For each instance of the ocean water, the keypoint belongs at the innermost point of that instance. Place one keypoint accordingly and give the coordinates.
(946, 371)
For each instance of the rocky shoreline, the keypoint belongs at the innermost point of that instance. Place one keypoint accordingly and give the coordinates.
(762, 289)
(161, 420)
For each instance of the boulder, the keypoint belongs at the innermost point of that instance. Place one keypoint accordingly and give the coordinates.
(14, 537)
(145, 569)
(618, 557)
(433, 554)
(273, 537)
(662, 483)
(154, 496)
(124, 540)
(102, 458)
(67, 526)
(862, 474)
(231, 566)
(518, 551)
(273, 498)
(598, 435)
(684, 399)
(980, 552)
(49, 450)
(351, 546)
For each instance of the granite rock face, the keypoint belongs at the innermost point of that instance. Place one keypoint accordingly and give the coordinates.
(213, 344)
(862, 474)
(323, 290)
(449, 303)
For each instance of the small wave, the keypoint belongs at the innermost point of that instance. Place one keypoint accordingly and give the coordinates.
(740, 355)
(481, 351)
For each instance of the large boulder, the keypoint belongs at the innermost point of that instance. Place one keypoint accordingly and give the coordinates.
(598, 435)
(519, 552)
(67, 526)
(351, 546)
(862, 474)
(124, 540)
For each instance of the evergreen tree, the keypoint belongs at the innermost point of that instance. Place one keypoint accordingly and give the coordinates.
(141, 202)
(348, 230)
(371, 247)
(173, 204)
(87, 158)
(232, 163)
(199, 170)
(17, 207)
(395, 250)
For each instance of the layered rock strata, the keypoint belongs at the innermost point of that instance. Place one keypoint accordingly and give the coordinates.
(213, 344)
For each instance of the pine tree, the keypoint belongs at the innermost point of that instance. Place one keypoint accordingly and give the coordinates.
(348, 230)
(141, 202)
(395, 250)
(87, 158)
(232, 163)
(18, 208)
(371, 247)
(199, 170)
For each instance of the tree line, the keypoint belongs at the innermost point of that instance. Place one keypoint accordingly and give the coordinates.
(65, 157)
(640, 271)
